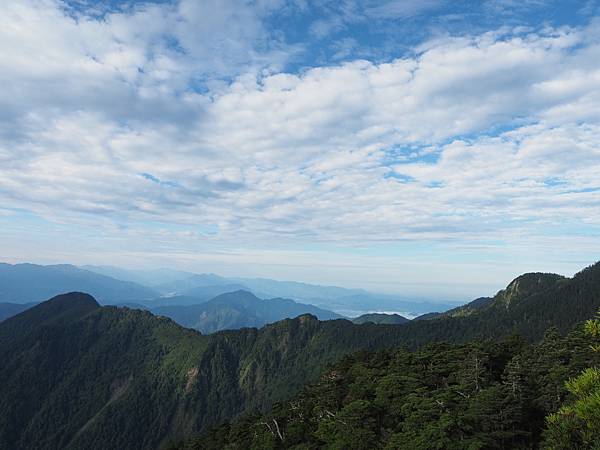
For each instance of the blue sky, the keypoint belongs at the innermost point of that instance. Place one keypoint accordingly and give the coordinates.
(431, 148)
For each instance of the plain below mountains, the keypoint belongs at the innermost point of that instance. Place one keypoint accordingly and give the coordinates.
(78, 375)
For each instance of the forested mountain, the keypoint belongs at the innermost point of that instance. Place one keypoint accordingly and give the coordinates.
(391, 319)
(227, 311)
(520, 288)
(238, 309)
(76, 375)
(484, 395)
(26, 283)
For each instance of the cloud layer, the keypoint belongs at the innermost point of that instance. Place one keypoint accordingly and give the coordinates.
(185, 115)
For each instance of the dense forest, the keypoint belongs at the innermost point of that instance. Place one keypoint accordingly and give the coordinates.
(76, 375)
(484, 395)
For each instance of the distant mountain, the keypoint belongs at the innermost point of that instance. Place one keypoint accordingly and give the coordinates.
(12, 309)
(360, 303)
(389, 319)
(181, 286)
(145, 277)
(341, 300)
(427, 316)
(172, 283)
(25, 283)
(209, 292)
(238, 309)
(520, 288)
(296, 290)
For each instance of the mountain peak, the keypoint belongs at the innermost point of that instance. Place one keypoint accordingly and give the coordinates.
(527, 284)
(59, 310)
(307, 318)
(239, 295)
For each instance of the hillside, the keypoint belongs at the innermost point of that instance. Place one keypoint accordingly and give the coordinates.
(76, 375)
(26, 283)
(11, 309)
(473, 396)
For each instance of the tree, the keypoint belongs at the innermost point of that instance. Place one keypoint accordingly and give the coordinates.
(576, 425)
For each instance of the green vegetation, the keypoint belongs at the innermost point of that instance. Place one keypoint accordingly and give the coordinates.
(486, 395)
(577, 423)
(76, 375)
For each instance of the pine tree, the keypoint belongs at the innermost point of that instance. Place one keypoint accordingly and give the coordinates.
(576, 425)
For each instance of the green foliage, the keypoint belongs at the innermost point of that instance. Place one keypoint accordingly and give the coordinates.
(486, 395)
(75, 375)
(577, 423)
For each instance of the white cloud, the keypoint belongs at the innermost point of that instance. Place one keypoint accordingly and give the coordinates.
(510, 122)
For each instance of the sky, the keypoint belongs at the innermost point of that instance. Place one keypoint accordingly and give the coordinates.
(433, 148)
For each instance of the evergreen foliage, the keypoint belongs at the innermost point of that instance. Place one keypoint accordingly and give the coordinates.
(79, 376)
(576, 425)
(485, 395)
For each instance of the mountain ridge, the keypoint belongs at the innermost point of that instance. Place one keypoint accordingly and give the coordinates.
(26, 283)
(178, 382)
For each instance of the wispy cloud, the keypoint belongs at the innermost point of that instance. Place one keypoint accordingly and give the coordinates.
(186, 113)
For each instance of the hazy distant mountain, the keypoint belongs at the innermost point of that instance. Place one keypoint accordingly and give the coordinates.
(194, 281)
(11, 309)
(238, 309)
(297, 290)
(25, 283)
(209, 292)
(332, 298)
(381, 318)
(204, 286)
(359, 303)
(148, 277)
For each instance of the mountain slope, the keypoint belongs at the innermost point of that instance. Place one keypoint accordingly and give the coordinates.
(76, 375)
(479, 395)
(11, 309)
(25, 283)
(520, 288)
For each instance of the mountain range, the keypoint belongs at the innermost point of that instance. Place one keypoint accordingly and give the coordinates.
(167, 287)
(26, 283)
(79, 375)
(239, 309)
(206, 286)
(227, 311)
